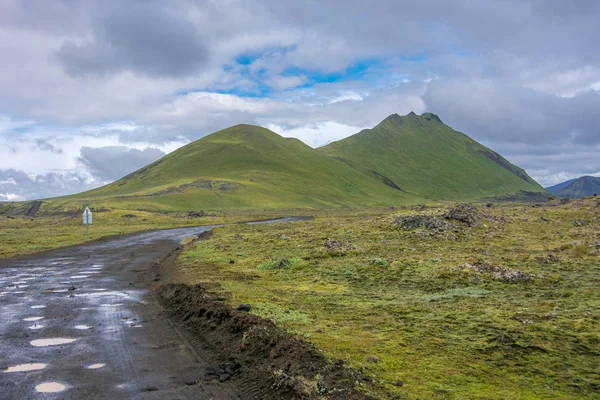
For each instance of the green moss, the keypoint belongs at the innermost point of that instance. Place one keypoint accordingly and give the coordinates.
(279, 314)
(443, 332)
(283, 263)
(472, 292)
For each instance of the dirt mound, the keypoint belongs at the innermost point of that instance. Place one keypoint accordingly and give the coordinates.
(433, 227)
(500, 273)
(278, 365)
(465, 213)
(426, 221)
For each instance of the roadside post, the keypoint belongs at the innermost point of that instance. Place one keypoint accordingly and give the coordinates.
(87, 221)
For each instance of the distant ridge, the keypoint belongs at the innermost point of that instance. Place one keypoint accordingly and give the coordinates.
(578, 188)
(558, 187)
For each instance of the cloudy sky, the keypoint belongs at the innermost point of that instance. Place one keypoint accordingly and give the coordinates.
(92, 90)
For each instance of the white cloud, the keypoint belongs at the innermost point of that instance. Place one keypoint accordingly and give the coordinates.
(504, 72)
(11, 197)
(319, 134)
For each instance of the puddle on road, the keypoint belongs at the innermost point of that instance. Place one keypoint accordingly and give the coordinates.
(96, 366)
(36, 327)
(51, 342)
(83, 327)
(38, 307)
(98, 294)
(26, 367)
(111, 305)
(79, 276)
(56, 290)
(19, 283)
(50, 387)
(31, 319)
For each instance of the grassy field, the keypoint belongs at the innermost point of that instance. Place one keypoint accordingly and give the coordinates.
(503, 303)
(24, 235)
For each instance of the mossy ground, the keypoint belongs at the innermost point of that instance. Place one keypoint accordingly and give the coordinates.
(358, 285)
(24, 235)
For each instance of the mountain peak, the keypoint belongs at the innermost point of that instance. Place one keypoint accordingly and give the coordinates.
(431, 117)
(399, 119)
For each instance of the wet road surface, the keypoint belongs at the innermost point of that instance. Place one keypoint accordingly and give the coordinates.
(80, 323)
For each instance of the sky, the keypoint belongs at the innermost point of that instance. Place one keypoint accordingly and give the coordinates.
(91, 90)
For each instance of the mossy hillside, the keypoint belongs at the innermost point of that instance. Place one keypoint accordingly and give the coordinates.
(245, 167)
(404, 160)
(361, 286)
(422, 155)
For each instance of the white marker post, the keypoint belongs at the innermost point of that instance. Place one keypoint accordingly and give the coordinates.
(87, 221)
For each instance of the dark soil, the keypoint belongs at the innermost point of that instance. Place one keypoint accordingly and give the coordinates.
(255, 350)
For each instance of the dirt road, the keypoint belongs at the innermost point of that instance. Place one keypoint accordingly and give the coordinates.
(81, 323)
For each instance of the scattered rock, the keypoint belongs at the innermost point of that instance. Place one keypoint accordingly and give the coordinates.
(544, 219)
(465, 213)
(415, 221)
(196, 214)
(149, 389)
(564, 200)
(222, 372)
(231, 261)
(372, 359)
(500, 273)
(128, 216)
(244, 307)
(548, 259)
(579, 222)
(283, 263)
(238, 237)
(399, 383)
(335, 246)
(597, 244)
(71, 288)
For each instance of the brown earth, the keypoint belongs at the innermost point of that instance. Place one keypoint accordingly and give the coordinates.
(254, 356)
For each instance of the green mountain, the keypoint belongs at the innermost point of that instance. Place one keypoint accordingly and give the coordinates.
(580, 188)
(245, 167)
(422, 156)
(402, 160)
